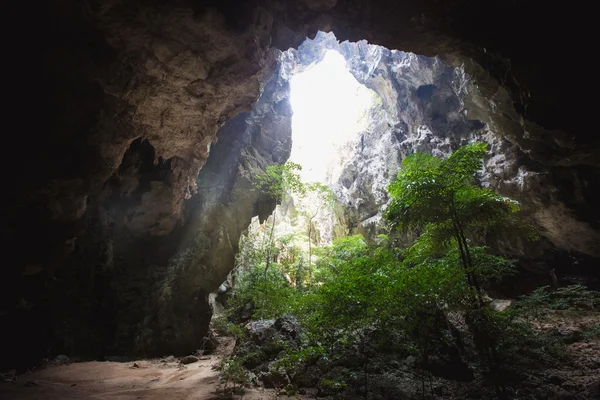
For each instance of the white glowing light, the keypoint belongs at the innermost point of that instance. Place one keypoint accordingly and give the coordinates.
(330, 109)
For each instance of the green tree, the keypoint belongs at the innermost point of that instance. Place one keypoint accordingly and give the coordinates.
(349, 300)
(263, 295)
(269, 296)
(440, 198)
(278, 182)
(318, 198)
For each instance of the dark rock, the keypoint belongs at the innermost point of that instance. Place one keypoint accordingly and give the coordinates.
(450, 366)
(288, 326)
(556, 379)
(570, 334)
(253, 357)
(410, 361)
(310, 377)
(285, 328)
(188, 359)
(569, 386)
(561, 394)
(274, 378)
(592, 391)
(118, 359)
(61, 360)
(262, 330)
(10, 376)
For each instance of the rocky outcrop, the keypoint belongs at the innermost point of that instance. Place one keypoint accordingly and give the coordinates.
(132, 96)
(132, 277)
(214, 221)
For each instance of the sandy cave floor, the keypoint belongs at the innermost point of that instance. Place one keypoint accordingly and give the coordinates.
(157, 379)
(142, 379)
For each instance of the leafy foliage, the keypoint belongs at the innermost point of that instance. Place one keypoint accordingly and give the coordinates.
(266, 295)
(335, 384)
(295, 359)
(319, 198)
(544, 298)
(224, 327)
(440, 199)
(278, 180)
(515, 337)
(593, 332)
(232, 375)
(441, 196)
(364, 297)
(348, 296)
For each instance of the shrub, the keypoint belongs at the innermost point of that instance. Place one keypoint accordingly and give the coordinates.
(569, 297)
(226, 328)
(295, 360)
(268, 295)
(232, 375)
(592, 332)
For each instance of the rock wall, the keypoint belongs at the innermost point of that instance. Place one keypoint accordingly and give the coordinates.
(125, 288)
(176, 313)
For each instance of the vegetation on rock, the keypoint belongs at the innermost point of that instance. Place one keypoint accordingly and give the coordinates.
(367, 315)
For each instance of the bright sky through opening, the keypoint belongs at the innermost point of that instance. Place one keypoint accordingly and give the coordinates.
(330, 109)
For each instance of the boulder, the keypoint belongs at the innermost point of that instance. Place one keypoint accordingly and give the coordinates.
(61, 360)
(283, 328)
(310, 377)
(169, 359)
(188, 360)
(261, 331)
(274, 378)
(288, 326)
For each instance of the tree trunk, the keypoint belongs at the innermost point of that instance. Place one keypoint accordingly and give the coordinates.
(310, 248)
(484, 342)
(268, 263)
(310, 220)
(270, 244)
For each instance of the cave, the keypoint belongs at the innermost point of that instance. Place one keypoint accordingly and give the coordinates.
(127, 202)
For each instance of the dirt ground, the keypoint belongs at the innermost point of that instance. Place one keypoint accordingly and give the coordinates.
(575, 376)
(143, 379)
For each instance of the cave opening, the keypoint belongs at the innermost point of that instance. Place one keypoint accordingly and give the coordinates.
(330, 111)
(327, 129)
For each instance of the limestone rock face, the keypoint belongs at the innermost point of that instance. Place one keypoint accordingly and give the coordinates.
(150, 269)
(430, 107)
(131, 97)
(134, 94)
(214, 221)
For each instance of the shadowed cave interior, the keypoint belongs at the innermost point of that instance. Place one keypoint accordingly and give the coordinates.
(135, 212)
